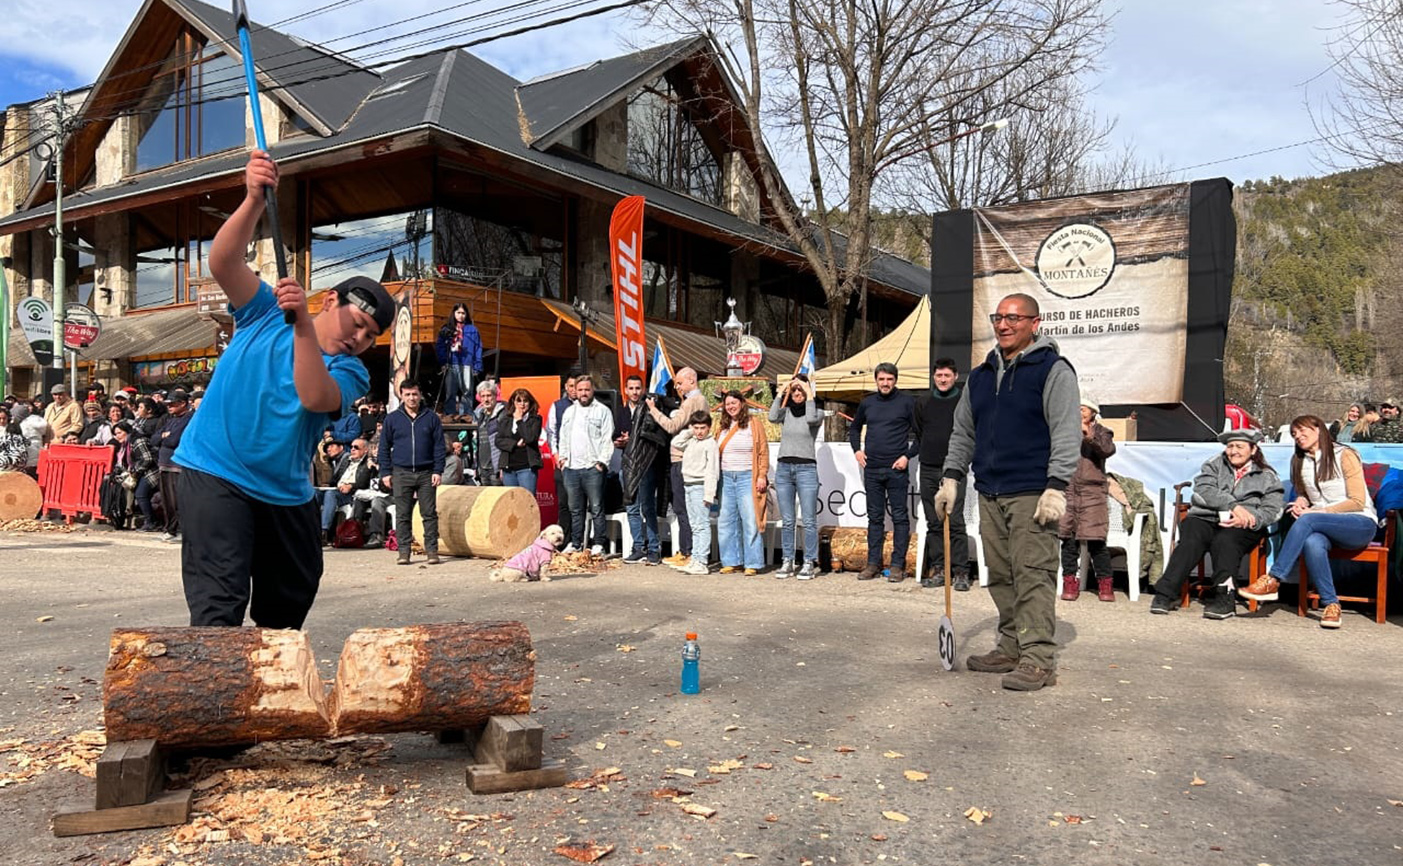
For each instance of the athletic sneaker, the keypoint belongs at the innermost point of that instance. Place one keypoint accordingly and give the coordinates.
(635, 557)
(1162, 605)
(597, 550)
(786, 569)
(1221, 605)
(570, 548)
(655, 559)
(695, 567)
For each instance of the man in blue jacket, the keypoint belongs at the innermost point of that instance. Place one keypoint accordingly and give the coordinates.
(411, 465)
(889, 417)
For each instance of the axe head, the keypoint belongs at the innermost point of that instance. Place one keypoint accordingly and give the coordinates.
(241, 14)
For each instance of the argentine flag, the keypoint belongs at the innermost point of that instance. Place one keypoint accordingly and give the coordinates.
(662, 370)
(808, 362)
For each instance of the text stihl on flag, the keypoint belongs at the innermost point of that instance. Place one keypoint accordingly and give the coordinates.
(626, 257)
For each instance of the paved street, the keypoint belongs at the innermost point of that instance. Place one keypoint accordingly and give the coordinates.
(1167, 741)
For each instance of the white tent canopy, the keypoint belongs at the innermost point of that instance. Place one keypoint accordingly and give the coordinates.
(908, 347)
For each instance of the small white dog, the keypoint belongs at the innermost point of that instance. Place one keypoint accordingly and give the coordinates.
(531, 563)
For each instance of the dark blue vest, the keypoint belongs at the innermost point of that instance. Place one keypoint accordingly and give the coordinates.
(1012, 443)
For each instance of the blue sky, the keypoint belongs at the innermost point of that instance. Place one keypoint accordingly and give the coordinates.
(1189, 83)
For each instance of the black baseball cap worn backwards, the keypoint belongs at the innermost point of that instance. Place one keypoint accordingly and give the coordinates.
(370, 297)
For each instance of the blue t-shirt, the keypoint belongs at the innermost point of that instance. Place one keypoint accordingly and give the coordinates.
(251, 429)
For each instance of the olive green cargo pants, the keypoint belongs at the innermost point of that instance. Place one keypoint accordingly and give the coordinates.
(1023, 559)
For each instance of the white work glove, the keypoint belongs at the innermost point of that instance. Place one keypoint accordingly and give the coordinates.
(945, 497)
(1051, 506)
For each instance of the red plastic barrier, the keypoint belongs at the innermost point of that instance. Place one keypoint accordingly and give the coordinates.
(71, 478)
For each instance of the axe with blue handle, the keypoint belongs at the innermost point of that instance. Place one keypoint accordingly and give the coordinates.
(270, 194)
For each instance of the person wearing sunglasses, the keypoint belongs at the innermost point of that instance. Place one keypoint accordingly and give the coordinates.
(1018, 425)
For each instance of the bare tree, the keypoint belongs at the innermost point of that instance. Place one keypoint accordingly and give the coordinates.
(1362, 121)
(863, 83)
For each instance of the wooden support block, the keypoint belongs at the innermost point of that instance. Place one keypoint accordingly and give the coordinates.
(511, 743)
(488, 779)
(129, 773)
(167, 809)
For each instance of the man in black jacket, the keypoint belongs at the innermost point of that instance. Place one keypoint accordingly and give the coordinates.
(167, 439)
(411, 465)
(350, 471)
(935, 418)
(889, 417)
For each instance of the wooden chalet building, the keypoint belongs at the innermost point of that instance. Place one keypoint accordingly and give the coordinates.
(442, 176)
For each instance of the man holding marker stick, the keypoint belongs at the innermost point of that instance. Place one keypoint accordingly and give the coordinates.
(248, 512)
(1018, 424)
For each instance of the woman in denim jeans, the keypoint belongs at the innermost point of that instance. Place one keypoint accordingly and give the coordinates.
(745, 478)
(797, 413)
(518, 440)
(1332, 509)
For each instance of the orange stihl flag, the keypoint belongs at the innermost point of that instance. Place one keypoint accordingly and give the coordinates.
(626, 249)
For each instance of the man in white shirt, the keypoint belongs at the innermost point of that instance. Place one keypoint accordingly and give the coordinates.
(586, 444)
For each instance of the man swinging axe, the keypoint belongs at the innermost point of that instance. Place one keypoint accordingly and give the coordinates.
(1019, 423)
(251, 525)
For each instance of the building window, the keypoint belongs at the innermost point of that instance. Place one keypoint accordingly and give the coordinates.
(172, 254)
(666, 147)
(195, 107)
(476, 250)
(375, 247)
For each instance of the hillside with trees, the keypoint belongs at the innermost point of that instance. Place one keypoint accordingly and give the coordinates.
(1316, 283)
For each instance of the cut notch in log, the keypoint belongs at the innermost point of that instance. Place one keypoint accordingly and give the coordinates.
(432, 677)
(201, 687)
(212, 686)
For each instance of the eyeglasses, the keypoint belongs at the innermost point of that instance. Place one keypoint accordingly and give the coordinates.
(1011, 318)
(523, 401)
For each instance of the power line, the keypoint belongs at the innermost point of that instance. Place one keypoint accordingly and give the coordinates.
(334, 60)
(1353, 48)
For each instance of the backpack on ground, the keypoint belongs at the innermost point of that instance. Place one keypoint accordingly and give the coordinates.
(349, 533)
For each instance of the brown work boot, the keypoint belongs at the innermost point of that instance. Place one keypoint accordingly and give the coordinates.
(403, 557)
(1104, 590)
(1263, 588)
(1071, 587)
(896, 575)
(991, 663)
(1029, 678)
(869, 571)
(433, 558)
(1330, 616)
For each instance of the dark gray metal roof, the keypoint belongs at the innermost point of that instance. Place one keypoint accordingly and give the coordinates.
(470, 99)
(180, 330)
(704, 353)
(554, 105)
(327, 86)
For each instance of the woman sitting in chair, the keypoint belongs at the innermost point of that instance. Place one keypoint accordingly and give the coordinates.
(1332, 509)
(1236, 497)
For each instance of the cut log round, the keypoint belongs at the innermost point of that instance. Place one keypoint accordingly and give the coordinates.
(848, 549)
(488, 522)
(432, 677)
(20, 496)
(212, 686)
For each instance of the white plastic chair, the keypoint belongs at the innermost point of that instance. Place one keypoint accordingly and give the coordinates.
(1118, 538)
(971, 531)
